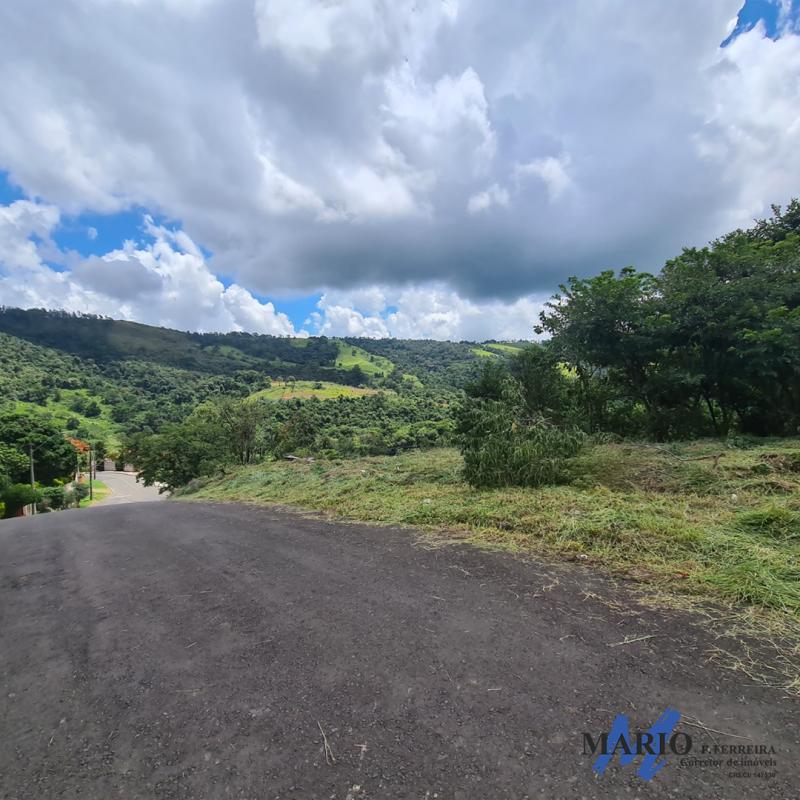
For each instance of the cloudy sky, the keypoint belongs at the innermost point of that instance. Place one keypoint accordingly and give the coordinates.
(410, 168)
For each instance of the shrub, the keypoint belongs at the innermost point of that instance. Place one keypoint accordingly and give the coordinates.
(92, 409)
(54, 497)
(503, 447)
(18, 495)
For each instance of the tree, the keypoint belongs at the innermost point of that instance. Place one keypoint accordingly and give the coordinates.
(491, 384)
(92, 409)
(173, 456)
(357, 376)
(709, 345)
(13, 463)
(609, 322)
(16, 496)
(78, 404)
(733, 325)
(54, 457)
(239, 421)
(779, 226)
(54, 497)
(546, 389)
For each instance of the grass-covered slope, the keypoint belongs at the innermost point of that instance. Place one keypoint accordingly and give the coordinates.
(107, 340)
(432, 363)
(137, 378)
(95, 428)
(683, 517)
(104, 401)
(305, 390)
(351, 356)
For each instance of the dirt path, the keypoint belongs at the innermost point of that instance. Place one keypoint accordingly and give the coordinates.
(187, 650)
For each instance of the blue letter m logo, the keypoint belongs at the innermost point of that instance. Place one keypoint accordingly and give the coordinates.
(652, 744)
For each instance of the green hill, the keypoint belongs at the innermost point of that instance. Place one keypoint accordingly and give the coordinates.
(103, 379)
(106, 341)
(351, 356)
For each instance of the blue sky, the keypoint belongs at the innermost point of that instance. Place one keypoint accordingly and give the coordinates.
(766, 11)
(98, 234)
(426, 179)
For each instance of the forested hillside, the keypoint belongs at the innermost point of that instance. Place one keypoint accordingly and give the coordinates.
(104, 380)
(107, 341)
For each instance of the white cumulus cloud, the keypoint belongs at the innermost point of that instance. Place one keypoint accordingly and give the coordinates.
(430, 311)
(164, 280)
(365, 143)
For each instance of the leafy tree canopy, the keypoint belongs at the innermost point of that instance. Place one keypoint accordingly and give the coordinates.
(54, 457)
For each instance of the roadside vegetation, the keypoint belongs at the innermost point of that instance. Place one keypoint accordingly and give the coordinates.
(238, 432)
(56, 461)
(654, 432)
(99, 492)
(709, 518)
(184, 404)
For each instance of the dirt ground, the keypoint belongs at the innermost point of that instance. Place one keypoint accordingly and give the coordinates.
(194, 650)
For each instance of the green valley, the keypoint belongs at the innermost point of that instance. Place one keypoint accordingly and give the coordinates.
(653, 430)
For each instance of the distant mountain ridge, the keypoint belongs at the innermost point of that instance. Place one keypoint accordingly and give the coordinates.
(107, 378)
(104, 340)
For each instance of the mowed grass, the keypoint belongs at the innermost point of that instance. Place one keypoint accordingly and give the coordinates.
(99, 492)
(696, 519)
(304, 390)
(370, 364)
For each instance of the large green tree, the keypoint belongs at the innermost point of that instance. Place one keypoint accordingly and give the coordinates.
(709, 345)
(54, 457)
(732, 312)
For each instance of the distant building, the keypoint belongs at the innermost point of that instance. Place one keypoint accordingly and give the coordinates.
(109, 465)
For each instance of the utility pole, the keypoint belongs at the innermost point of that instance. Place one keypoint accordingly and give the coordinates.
(33, 479)
(91, 496)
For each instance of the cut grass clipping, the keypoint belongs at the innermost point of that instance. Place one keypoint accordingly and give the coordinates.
(683, 517)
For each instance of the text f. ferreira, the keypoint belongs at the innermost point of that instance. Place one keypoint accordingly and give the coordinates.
(755, 761)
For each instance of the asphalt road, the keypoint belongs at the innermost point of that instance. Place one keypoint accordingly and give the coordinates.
(187, 650)
(126, 489)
